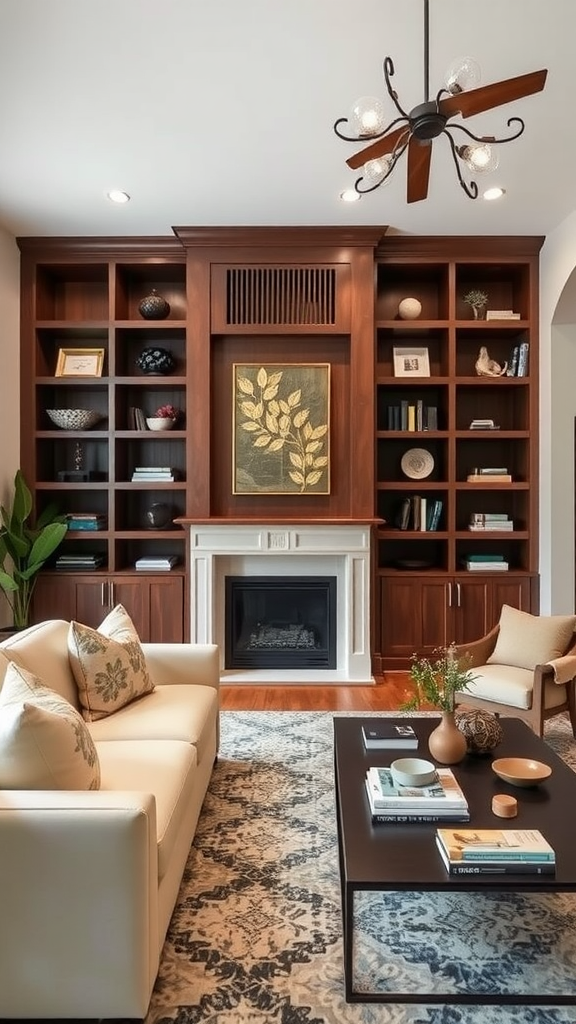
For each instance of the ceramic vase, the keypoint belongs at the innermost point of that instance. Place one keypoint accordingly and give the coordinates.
(446, 743)
(479, 312)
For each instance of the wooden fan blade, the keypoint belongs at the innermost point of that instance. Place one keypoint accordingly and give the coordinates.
(419, 156)
(376, 149)
(495, 95)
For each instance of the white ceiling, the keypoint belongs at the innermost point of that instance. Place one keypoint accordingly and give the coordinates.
(220, 112)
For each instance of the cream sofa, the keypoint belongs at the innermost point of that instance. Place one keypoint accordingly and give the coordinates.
(89, 879)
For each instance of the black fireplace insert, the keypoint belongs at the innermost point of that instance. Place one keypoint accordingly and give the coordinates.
(280, 622)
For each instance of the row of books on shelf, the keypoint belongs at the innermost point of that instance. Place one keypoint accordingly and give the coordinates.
(418, 513)
(86, 521)
(161, 474)
(485, 562)
(502, 314)
(489, 475)
(156, 563)
(490, 521)
(518, 362)
(79, 563)
(495, 851)
(412, 416)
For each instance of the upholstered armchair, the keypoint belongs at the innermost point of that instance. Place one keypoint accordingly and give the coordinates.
(524, 667)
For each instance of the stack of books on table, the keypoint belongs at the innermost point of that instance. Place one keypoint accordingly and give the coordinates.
(161, 474)
(79, 563)
(490, 521)
(495, 851)
(389, 736)
(86, 521)
(442, 800)
(485, 563)
(156, 563)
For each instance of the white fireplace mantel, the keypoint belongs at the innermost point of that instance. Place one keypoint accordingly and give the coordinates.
(228, 548)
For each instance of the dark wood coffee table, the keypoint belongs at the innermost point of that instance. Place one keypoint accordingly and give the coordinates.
(395, 857)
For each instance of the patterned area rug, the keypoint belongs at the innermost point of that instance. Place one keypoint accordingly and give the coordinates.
(256, 934)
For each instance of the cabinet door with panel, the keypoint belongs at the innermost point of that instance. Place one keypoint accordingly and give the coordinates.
(155, 604)
(421, 613)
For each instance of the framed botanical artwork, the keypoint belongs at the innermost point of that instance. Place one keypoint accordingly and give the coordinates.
(80, 362)
(281, 428)
(411, 362)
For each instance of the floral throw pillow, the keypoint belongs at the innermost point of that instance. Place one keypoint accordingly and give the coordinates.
(44, 742)
(108, 664)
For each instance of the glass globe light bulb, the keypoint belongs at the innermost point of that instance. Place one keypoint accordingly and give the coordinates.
(374, 171)
(480, 157)
(463, 74)
(368, 117)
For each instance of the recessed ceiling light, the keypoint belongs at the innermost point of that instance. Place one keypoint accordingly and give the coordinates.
(494, 193)
(117, 196)
(350, 195)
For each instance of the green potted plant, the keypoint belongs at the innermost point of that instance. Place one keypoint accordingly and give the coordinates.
(436, 681)
(24, 548)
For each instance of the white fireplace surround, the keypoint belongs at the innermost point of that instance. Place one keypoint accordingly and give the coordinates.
(222, 549)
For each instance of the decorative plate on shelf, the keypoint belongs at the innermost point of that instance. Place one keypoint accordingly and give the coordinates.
(417, 463)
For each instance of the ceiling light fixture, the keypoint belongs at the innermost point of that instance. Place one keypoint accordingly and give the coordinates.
(493, 193)
(116, 195)
(415, 130)
(350, 195)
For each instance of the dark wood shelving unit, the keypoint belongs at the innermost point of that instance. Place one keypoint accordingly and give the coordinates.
(425, 596)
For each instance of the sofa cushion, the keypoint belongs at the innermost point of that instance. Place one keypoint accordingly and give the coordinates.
(172, 712)
(42, 650)
(525, 640)
(44, 743)
(166, 768)
(506, 684)
(108, 664)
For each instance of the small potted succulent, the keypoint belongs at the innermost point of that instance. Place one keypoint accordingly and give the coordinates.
(478, 301)
(164, 418)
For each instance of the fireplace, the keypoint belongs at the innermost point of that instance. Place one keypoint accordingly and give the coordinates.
(297, 552)
(280, 622)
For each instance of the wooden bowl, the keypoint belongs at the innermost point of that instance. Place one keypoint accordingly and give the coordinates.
(521, 771)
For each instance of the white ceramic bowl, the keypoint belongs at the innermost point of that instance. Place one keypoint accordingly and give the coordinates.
(413, 771)
(160, 423)
(521, 771)
(74, 419)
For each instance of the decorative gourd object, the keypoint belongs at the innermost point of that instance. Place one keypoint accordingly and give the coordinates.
(409, 309)
(154, 307)
(481, 729)
(156, 361)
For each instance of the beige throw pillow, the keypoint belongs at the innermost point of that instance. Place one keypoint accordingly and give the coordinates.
(108, 664)
(525, 641)
(44, 742)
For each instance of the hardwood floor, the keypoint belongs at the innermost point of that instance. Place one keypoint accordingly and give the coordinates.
(387, 694)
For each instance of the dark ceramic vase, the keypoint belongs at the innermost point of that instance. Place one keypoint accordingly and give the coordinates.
(154, 307)
(158, 516)
(157, 361)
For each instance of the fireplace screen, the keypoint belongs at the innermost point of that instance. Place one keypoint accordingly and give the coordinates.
(280, 622)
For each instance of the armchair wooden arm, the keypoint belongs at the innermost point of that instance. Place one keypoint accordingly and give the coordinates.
(478, 651)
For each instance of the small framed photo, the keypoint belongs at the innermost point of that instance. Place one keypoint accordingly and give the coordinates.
(80, 362)
(411, 362)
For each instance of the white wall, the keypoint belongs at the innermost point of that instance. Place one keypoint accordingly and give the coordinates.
(557, 412)
(9, 376)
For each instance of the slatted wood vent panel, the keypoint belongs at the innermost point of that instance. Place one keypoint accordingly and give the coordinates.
(287, 298)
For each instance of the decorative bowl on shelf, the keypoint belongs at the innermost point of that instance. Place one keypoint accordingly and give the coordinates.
(160, 422)
(521, 771)
(74, 419)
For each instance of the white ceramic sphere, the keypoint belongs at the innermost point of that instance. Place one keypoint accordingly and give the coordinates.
(409, 309)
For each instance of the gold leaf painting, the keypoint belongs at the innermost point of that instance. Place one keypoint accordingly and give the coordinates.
(281, 428)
